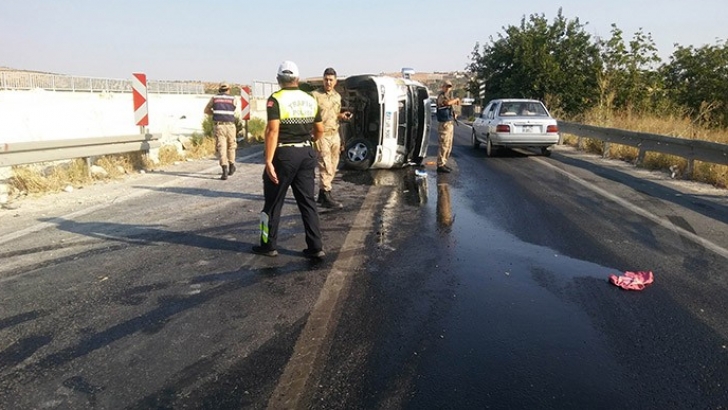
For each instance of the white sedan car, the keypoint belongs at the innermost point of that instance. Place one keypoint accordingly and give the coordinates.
(515, 123)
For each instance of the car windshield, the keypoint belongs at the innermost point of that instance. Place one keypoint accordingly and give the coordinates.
(523, 108)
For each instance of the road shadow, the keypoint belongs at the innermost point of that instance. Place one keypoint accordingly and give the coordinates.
(203, 192)
(141, 235)
(153, 234)
(706, 205)
(711, 206)
(149, 321)
(194, 175)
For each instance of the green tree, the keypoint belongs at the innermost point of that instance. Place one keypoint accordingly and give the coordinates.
(630, 79)
(697, 79)
(555, 62)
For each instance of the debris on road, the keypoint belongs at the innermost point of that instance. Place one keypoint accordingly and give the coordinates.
(633, 280)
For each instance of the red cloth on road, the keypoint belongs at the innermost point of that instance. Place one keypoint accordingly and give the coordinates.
(632, 280)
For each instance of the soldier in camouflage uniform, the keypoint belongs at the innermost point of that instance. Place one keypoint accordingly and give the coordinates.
(223, 108)
(329, 147)
(445, 117)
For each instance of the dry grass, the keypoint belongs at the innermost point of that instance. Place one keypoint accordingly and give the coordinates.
(37, 178)
(119, 165)
(201, 147)
(169, 155)
(47, 178)
(673, 126)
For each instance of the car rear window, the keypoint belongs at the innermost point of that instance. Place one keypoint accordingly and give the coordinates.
(520, 108)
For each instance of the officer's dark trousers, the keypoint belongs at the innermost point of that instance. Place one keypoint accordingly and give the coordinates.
(295, 167)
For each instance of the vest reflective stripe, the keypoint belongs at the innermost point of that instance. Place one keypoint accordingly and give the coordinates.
(296, 107)
(223, 108)
(264, 227)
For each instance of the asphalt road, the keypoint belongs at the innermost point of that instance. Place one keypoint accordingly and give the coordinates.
(499, 299)
(484, 288)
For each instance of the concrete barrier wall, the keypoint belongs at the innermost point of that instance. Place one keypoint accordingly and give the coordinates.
(41, 115)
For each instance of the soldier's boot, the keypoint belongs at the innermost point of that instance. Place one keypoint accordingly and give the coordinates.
(330, 202)
(224, 172)
(320, 198)
(231, 169)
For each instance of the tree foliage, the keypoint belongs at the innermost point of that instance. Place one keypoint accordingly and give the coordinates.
(562, 65)
(629, 79)
(697, 79)
(556, 62)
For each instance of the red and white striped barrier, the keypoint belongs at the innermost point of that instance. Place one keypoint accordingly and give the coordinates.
(245, 103)
(139, 91)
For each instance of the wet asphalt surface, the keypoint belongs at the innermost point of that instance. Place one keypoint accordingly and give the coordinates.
(489, 290)
(483, 288)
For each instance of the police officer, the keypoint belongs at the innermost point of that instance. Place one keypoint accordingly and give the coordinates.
(222, 108)
(290, 160)
(329, 147)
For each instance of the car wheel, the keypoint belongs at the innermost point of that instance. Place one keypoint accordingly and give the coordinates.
(489, 148)
(474, 140)
(359, 154)
(545, 151)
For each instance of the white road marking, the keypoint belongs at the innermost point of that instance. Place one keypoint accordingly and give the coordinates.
(315, 340)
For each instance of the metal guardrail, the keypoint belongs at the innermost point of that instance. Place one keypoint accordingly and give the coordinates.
(689, 149)
(44, 151)
(20, 80)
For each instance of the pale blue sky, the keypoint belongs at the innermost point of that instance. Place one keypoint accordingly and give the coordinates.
(241, 41)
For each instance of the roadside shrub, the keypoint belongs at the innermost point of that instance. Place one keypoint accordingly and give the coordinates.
(169, 154)
(202, 146)
(239, 126)
(714, 174)
(590, 145)
(256, 128)
(208, 127)
(197, 139)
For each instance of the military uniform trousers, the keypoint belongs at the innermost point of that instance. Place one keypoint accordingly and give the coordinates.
(225, 142)
(329, 148)
(445, 131)
(295, 168)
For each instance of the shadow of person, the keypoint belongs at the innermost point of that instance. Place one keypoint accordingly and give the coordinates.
(151, 235)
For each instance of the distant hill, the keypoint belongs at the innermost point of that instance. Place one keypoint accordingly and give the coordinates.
(15, 70)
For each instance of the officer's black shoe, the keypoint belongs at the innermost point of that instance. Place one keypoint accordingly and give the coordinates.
(320, 198)
(264, 250)
(329, 202)
(314, 254)
(232, 169)
(224, 172)
(443, 169)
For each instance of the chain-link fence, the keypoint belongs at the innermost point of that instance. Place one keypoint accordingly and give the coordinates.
(13, 80)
